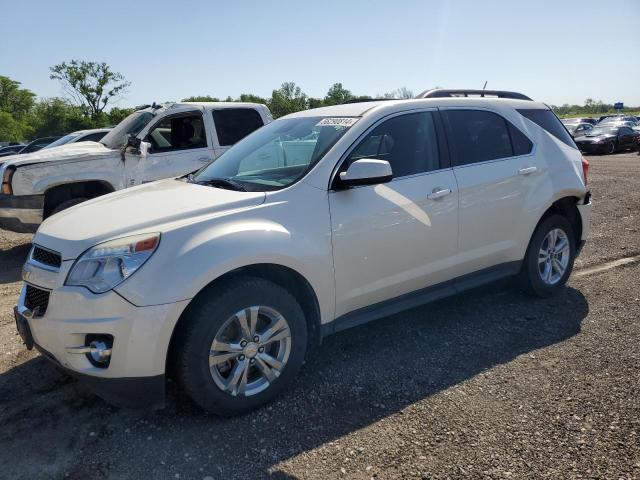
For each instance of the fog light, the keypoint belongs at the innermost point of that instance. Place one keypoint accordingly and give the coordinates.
(97, 348)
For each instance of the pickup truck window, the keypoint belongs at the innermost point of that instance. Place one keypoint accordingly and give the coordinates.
(233, 124)
(278, 154)
(182, 132)
(129, 127)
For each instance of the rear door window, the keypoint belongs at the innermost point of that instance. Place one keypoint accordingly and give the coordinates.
(477, 136)
(233, 124)
(548, 120)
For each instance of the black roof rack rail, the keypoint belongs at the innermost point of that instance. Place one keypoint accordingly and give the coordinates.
(443, 93)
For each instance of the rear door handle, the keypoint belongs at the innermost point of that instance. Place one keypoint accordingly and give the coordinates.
(204, 159)
(527, 170)
(438, 193)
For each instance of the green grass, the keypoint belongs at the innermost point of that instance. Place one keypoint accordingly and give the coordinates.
(597, 115)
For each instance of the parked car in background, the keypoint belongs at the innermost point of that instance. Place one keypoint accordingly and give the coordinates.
(11, 149)
(150, 144)
(323, 220)
(578, 129)
(608, 139)
(589, 120)
(93, 135)
(616, 118)
(37, 144)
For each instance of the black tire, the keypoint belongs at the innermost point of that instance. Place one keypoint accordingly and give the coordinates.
(530, 276)
(204, 321)
(68, 204)
(611, 148)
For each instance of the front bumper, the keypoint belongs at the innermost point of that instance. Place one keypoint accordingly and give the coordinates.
(594, 147)
(22, 213)
(141, 336)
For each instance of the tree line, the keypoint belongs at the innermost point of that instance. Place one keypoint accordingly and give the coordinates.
(91, 88)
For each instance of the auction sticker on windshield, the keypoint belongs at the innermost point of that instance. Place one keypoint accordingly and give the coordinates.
(337, 121)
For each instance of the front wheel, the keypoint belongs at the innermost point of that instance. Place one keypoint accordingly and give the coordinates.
(242, 346)
(550, 256)
(611, 148)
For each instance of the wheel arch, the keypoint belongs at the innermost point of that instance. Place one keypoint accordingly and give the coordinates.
(281, 275)
(565, 206)
(59, 193)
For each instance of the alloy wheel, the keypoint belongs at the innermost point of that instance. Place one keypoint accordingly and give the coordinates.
(553, 257)
(250, 351)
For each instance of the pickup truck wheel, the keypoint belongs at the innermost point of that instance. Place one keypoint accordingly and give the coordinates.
(549, 259)
(242, 346)
(68, 204)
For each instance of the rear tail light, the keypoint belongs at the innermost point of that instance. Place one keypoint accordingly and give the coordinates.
(585, 169)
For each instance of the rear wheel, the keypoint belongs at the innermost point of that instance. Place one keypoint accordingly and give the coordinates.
(242, 346)
(550, 256)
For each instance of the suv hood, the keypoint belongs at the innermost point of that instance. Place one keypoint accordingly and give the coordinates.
(70, 151)
(153, 207)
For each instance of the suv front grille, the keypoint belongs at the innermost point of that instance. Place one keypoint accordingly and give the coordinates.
(36, 300)
(46, 257)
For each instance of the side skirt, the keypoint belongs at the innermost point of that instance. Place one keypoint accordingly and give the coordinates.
(420, 297)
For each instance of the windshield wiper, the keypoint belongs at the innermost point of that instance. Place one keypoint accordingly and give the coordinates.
(222, 183)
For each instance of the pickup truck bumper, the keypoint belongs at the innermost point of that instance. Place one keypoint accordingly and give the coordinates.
(22, 214)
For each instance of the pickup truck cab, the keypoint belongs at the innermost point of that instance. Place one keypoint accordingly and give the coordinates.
(154, 143)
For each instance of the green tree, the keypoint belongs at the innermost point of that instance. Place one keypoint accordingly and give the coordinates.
(15, 100)
(201, 98)
(287, 99)
(90, 85)
(12, 130)
(116, 115)
(56, 116)
(251, 98)
(337, 95)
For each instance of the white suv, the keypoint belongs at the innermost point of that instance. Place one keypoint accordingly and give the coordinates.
(322, 220)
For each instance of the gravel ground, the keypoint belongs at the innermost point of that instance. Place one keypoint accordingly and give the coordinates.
(489, 384)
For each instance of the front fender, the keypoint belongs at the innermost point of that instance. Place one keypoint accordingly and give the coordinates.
(37, 178)
(191, 257)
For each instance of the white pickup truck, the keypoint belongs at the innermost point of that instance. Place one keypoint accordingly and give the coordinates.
(160, 141)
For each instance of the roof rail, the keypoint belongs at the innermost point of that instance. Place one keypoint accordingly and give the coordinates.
(441, 92)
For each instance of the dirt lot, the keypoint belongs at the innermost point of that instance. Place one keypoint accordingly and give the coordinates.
(487, 384)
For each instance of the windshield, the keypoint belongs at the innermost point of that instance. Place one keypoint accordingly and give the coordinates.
(63, 140)
(277, 155)
(602, 131)
(129, 127)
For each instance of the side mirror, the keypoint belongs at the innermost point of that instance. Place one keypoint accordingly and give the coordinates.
(144, 148)
(366, 171)
(133, 142)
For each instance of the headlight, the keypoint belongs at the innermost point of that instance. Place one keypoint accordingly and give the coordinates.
(108, 264)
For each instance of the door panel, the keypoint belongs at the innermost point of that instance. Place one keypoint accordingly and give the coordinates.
(492, 200)
(391, 239)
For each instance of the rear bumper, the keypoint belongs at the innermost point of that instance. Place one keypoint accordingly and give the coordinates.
(584, 207)
(22, 214)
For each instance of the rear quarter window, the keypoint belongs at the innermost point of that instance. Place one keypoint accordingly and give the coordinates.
(548, 120)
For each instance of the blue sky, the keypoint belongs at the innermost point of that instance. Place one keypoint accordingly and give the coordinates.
(554, 51)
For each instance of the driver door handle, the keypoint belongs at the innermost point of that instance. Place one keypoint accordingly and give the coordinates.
(204, 159)
(527, 170)
(438, 193)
